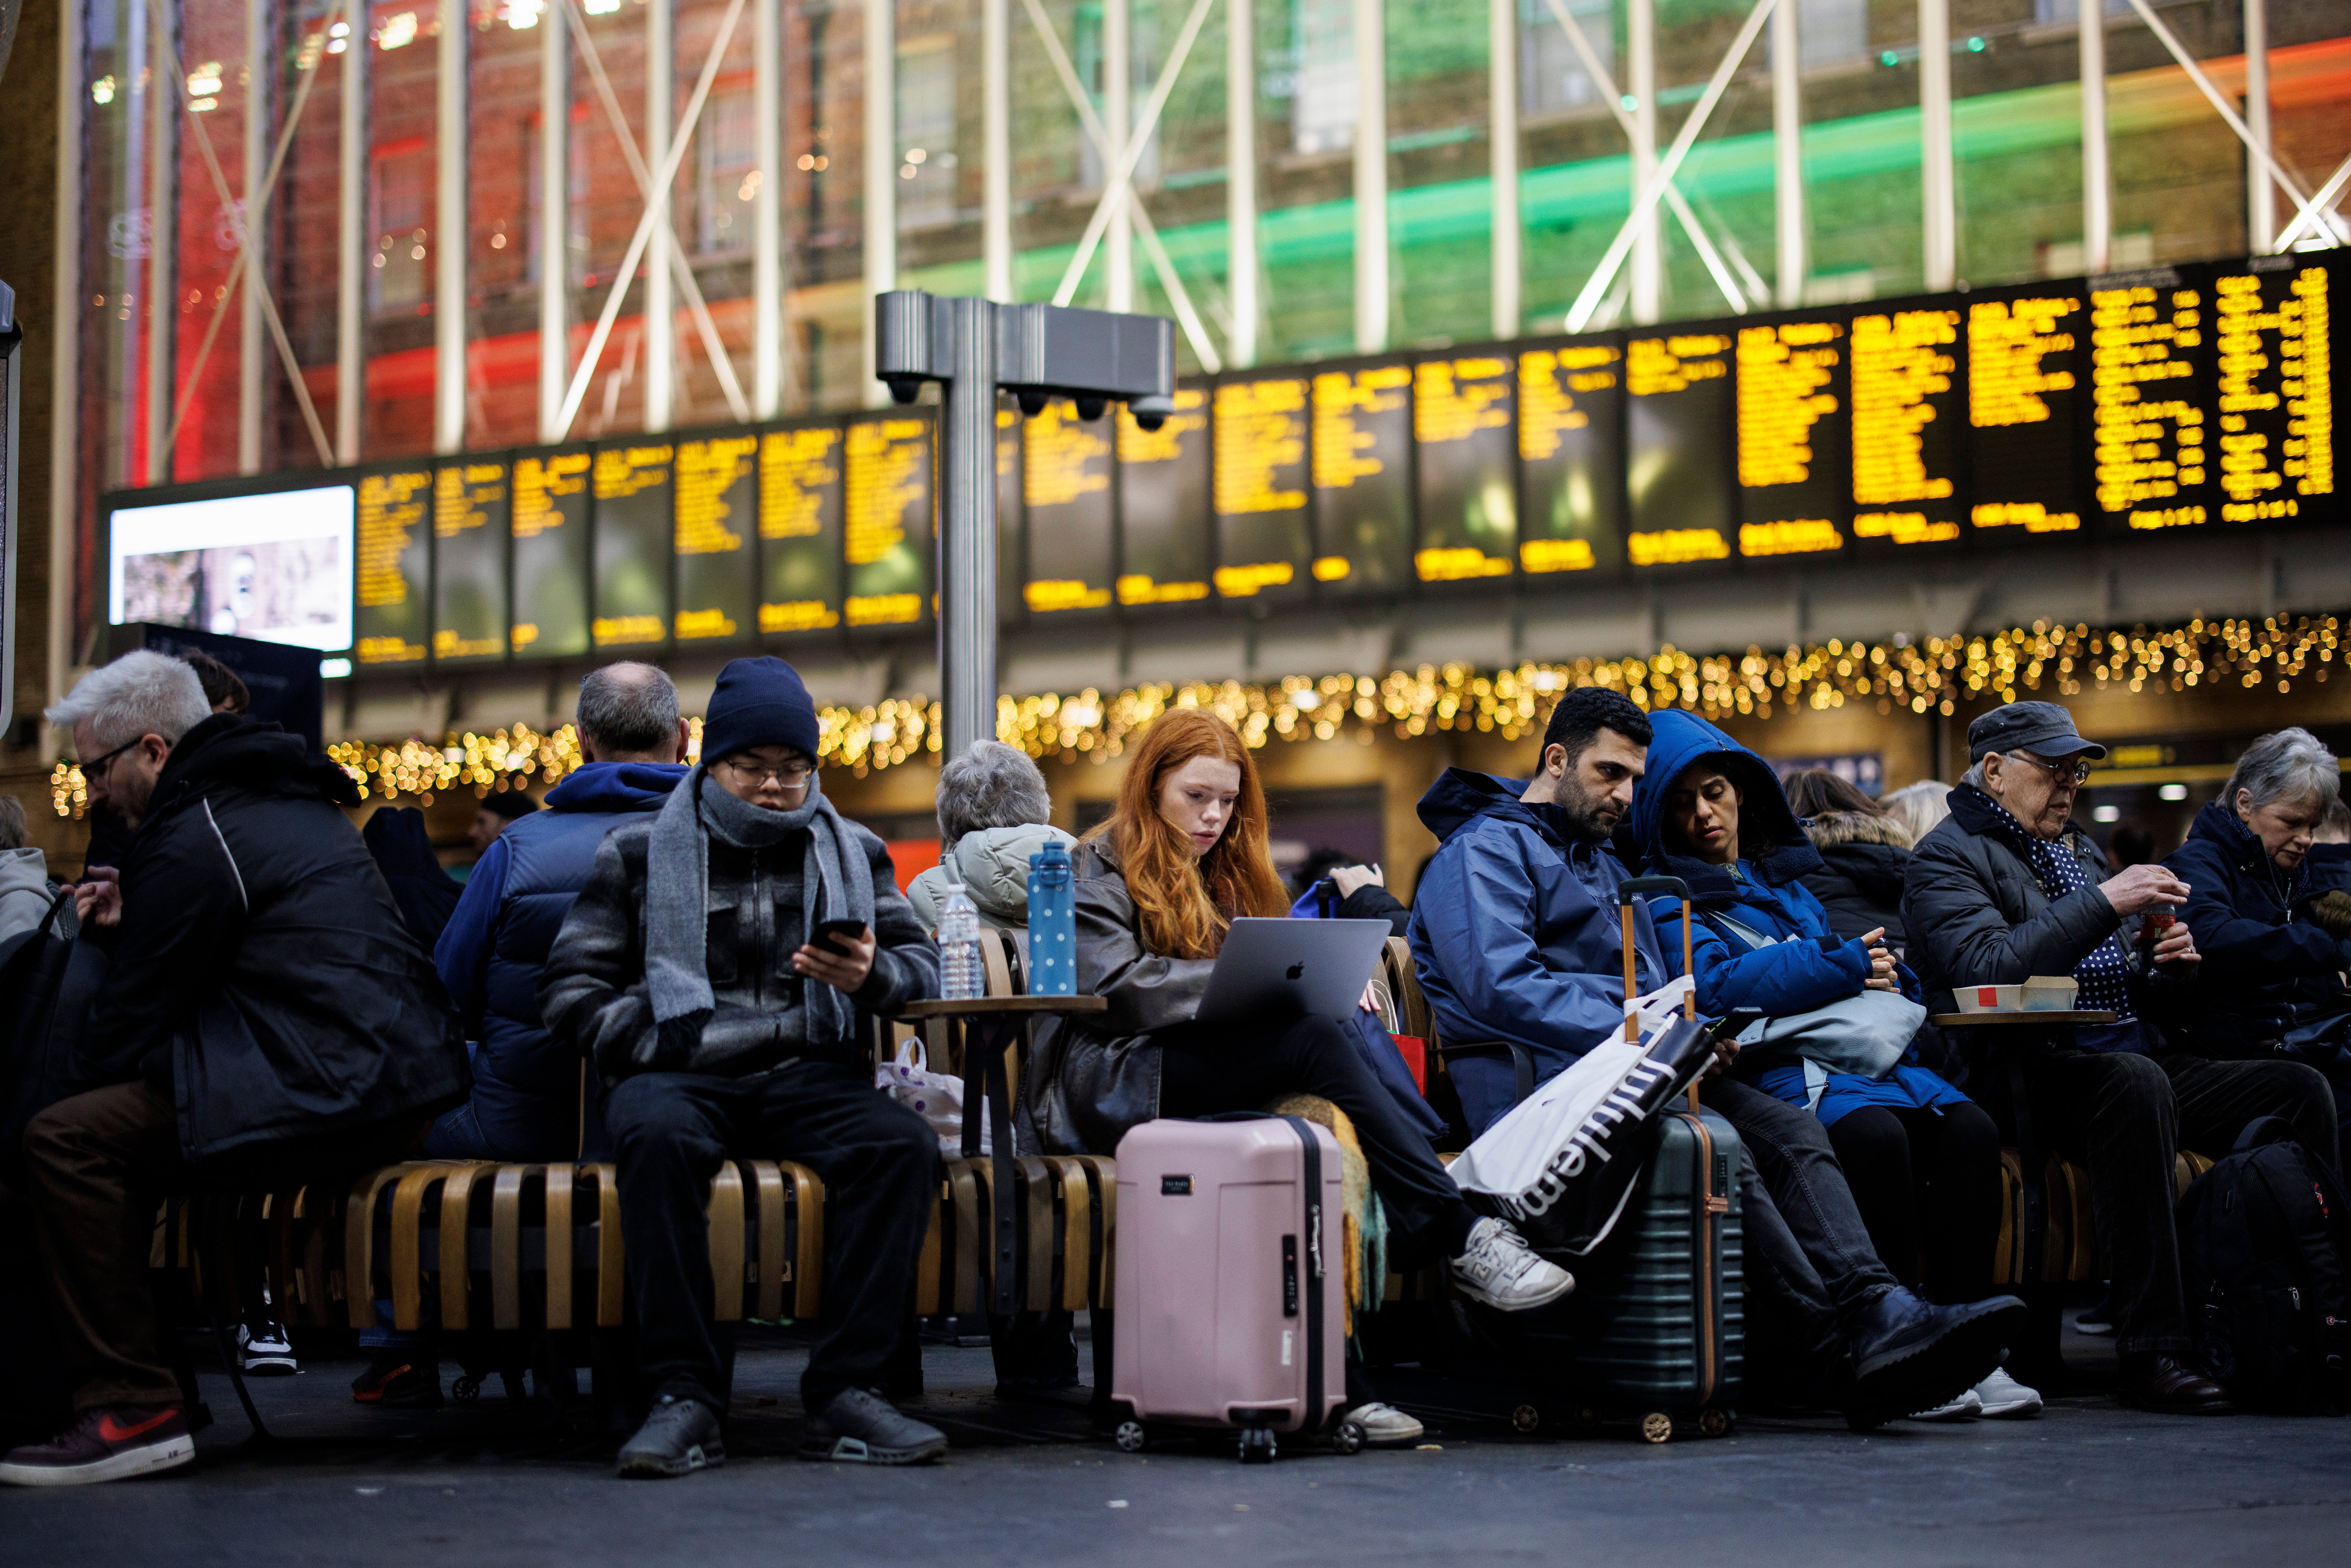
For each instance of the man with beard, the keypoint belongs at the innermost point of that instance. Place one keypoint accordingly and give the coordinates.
(1516, 939)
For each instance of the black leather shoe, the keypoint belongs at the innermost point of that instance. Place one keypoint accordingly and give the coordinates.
(2170, 1387)
(1909, 1354)
(679, 1437)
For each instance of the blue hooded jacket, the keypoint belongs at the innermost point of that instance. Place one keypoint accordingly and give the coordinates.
(1516, 936)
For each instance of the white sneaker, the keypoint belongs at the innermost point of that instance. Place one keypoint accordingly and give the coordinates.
(1966, 1407)
(265, 1349)
(1385, 1425)
(1501, 1269)
(2006, 1400)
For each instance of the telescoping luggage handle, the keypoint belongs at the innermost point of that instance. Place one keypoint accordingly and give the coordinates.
(1639, 887)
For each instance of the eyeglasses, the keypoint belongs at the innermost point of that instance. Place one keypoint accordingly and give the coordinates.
(93, 769)
(791, 775)
(2077, 772)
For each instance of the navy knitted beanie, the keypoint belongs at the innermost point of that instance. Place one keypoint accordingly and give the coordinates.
(759, 702)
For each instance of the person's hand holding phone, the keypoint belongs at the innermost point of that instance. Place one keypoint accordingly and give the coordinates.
(837, 956)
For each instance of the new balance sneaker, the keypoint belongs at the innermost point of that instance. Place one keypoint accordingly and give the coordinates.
(2006, 1400)
(862, 1428)
(679, 1437)
(111, 1443)
(1501, 1269)
(265, 1349)
(398, 1380)
(1385, 1425)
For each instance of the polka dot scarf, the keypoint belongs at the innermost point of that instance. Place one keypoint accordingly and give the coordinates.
(2104, 975)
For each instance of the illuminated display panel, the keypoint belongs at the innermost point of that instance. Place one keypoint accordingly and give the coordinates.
(2151, 424)
(1363, 494)
(1265, 543)
(276, 567)
(800, 529)
(1011, 548)
(1571, 457)
(1465, 423)
(2027, 372)
(716, 535)
(634, 486)
(550, 516)
(1065, 483)
(469, 561)
(886, 521)
(1791, 430)
(1908, 427)
(1679, 479)
(393, 556)
(2273, 358)
(1163, 505)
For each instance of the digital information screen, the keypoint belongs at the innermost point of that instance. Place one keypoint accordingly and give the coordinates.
(1464, 424)
(1678, 448)
(1066, 510)
(393, 599)
(550, 554)
(635, 485)
(716, 538)
(800, 529)
(2027, 407)
(1791, 433)
(886, 530)
(274, 567)
(1264, 541)
(1908, 425)
(2274, 341)
(1011, 546)
(1570, 462)
(1162, 497)
(469, 562)
(1363, 480)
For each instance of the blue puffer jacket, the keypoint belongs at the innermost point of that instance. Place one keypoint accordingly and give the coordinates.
(525, 1101)
(1516, 936)
(2265, 973)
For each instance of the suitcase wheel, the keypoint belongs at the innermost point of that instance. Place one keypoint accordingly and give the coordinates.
(1347, 1438)
(1714, 1422)
(1257, 1446)
(465, 1389)
(1130, 1437)
(1526, 1418)
(1657, 1427)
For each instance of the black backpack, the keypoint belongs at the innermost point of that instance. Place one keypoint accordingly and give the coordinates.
(2263, 1250)
(48, 983)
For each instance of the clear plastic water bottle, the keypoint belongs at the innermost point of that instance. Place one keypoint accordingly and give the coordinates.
(1052, 923)
(962, 975)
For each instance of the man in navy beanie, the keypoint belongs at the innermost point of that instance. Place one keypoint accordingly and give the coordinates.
(691, 971)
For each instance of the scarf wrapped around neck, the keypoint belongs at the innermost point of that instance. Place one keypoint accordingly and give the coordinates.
(837, 883)
(2104, 975)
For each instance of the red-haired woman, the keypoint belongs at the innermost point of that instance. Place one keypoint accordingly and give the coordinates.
(1157, 886)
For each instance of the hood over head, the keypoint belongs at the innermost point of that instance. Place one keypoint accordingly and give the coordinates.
(1770, 837)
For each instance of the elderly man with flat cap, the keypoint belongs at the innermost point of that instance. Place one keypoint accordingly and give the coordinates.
(2006, 888)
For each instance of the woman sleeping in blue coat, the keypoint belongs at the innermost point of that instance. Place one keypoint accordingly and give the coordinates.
(1922, 1158)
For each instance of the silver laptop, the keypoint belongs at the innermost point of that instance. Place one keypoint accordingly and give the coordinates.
(1286, 967)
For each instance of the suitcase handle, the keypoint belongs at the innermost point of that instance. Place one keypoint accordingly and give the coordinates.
(1641, 887)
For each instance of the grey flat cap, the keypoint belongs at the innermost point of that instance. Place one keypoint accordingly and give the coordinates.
(2044, 729)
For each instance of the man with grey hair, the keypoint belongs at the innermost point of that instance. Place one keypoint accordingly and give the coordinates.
(2007, 887)
(994, 813)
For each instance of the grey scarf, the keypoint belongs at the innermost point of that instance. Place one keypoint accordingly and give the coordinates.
(836, 883)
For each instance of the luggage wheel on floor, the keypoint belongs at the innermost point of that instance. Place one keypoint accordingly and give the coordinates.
(465, 1389)
(1253, 1445)
(1526, 1418)
(1657, 1427)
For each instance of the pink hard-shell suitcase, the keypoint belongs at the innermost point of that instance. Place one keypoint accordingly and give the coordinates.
(1229, 1282)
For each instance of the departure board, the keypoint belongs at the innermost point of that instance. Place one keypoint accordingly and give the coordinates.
(1163, 505)
(2027, 406)
(1011, 536)
(1909, 425)
(1362, 479)
(1065, 483)
(716, 529)
(1793, 434)
(2273, 341)
(1264, 541)
(886, 526)
(1465, 426)
(800, 529)
(1679, 449)
(633, 487)
(469, 561)
(550, 554)
(2150, 432)
(393, 554)
(1571, 457)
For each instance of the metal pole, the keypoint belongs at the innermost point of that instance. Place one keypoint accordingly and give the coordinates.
(1788, 154)
(661, 309)
(260, 77)
(1502, 143)
(1648, 263)
(351, 245)
(881, 168)
(1241, 178)
(554, 218)
(1118, 119)
(968, 532)
(1371, 176)
(2097, 217)
(996, 132)
(1940, 222)
(449, 238)
(2261, 193)
(64, 369)
(162, 251)
(768, 212)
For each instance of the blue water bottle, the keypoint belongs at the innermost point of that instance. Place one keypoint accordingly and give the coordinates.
(1053, 923)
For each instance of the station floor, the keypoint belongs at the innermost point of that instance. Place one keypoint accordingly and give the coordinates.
(507, 1486)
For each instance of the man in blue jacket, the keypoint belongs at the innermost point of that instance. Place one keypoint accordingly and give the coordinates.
(1517, 938)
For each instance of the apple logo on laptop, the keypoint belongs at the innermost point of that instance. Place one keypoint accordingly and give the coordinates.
(1293, 971)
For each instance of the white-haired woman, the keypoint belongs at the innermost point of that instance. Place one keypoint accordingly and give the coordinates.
(2270, 921)
(994, 813)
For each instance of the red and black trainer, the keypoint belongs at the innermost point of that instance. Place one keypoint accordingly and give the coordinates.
(111, 1443)
(399, 1381)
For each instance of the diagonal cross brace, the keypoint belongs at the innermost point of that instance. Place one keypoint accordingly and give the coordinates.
(2319, 206)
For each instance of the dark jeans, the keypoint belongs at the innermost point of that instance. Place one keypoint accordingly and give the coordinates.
(1927, 1184)
(1208, 1068)
(879, 1163)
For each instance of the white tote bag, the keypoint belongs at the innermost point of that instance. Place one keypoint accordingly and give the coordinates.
(936, 1097)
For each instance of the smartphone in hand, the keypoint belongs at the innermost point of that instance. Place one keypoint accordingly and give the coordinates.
(840, 936)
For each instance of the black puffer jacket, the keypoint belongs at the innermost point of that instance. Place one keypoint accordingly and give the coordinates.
(1863, 862)
(261, 961)
(2264, 972)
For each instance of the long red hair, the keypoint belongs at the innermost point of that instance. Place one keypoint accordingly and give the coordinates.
(1184, 905)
